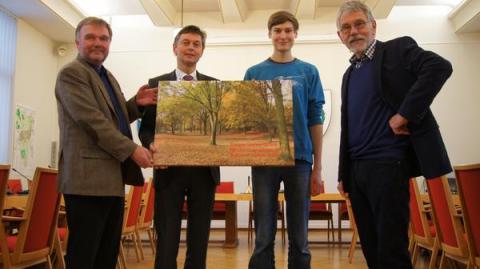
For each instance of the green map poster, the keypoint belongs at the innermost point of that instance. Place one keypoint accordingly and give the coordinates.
(23, 139)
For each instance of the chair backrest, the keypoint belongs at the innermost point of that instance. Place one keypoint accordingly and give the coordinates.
(449, 227)
(41, 213)
(223, 187)
(4, 173)
(343, 211)
(146, 217)
(468, 181)
(418, 218)
(316, 206)
(134, 200)
(14, 185)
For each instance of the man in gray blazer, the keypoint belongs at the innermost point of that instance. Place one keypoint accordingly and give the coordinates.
(96, 148)
(172, 184)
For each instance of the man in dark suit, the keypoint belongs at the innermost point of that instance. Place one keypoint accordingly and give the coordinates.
(172, 184)
(388, 134)
(96, 148)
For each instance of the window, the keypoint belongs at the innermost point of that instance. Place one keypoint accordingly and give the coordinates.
(8, 38)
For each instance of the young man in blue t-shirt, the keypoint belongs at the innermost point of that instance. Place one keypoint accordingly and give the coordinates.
(300, 180)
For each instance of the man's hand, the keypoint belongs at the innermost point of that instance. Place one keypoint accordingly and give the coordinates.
(399, 125)
(340, 189)
(142, 157)
(153, 149)
(316, 182)
(146, 96)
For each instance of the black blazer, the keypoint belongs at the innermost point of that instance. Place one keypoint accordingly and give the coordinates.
(147, 128)
(408, 78)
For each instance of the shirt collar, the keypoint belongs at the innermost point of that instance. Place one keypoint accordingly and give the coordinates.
(180, 74)
(369, 52)
(101, 70)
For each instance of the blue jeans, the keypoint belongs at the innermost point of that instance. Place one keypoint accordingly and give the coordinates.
(266, 184)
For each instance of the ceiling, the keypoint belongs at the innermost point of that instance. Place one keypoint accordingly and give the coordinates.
(58, 18)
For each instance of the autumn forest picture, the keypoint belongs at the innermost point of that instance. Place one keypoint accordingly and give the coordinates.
(224, 123)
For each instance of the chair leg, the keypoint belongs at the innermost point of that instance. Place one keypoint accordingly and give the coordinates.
(48, 263)
(123, 260)
(283, 230)
(135, 246)
(151, 239)
(433, 258)
(60, 261)
(353, 245)
(414, 254)
(250, 229)
(139, 242)
(442, 261)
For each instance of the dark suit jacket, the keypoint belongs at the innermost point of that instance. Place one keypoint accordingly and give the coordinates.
(147, 128)
(408, 78)
(92, 148)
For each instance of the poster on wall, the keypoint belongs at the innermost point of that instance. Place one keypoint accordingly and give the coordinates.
(224, 123)
(23, 139)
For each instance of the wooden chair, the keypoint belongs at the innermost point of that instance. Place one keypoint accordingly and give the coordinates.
(37, 227)
(130, 220)
(423, 234)
(468, 181)
(323, 211)
(448, 221)
(4, 174)
(145, 221)
(342, 216)
(219, 208)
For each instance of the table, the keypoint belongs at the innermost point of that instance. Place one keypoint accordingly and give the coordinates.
(230, 200)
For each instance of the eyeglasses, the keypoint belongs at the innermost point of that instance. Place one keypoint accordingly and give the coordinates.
(347, 28)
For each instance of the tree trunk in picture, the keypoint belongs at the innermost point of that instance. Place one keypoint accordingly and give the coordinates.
(213, 127)
(282, 123)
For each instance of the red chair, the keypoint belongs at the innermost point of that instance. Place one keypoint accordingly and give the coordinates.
(145, 222)
(219, 207)
(450, 232)
(468, 181)
(130, 220)
(37, 227)
(323, 211)
(4, 173)
(342, 216)
(14, 186)
(423, 234)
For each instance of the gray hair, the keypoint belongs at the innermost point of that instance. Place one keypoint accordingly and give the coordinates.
(353, 6)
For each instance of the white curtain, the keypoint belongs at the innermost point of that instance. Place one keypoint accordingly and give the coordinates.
(8, 40)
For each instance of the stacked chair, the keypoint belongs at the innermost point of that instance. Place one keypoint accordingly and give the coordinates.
(37, 227)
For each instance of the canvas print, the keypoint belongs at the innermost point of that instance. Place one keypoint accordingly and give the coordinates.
(224, 123)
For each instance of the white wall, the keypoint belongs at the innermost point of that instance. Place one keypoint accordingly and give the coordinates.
(34, 80)
(138, 53)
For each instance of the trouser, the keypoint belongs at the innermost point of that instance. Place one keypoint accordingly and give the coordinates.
(379, 193)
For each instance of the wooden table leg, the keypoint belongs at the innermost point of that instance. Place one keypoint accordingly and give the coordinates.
(231, 229)
(339, 223)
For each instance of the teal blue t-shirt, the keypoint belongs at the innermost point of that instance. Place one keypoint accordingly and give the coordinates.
(308, 98)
